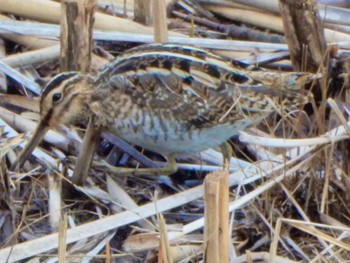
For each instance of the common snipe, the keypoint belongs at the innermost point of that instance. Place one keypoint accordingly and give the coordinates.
(167, 98)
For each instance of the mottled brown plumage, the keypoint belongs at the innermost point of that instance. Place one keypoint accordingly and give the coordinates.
(169, 99)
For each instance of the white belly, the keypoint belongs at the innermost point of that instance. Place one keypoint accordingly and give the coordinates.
(175, 142)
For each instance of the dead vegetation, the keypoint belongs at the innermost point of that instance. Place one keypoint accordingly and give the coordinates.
(289, 180)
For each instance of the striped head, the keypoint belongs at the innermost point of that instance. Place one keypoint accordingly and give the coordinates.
(63, 101)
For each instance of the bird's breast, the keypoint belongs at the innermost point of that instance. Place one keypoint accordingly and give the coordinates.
(172, 137)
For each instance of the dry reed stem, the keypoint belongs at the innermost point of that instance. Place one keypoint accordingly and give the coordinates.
(330, 13)
(254, 174)
(20, 101)
(160, 24)
(38, 153)
(62, 235)
(35, 57)
(164, 252)
(77, 20)
(216, 233)
(55, 203)
(144, 242)
(48, 242)
(28, 41)
(211, 224)
(76, 35)
(3, 80)
(142, 12)
(83, 162)
(20, 78)
(49, 11)
(310, 228)
(47, 30)
(43, 50)
(338, 113)
(269, 21)
(263, 257)
(304, 33)
(123, 200)
(299, 209)
(335, 135)
(24, 125)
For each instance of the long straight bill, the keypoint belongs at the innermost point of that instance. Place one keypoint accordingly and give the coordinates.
(38, 135)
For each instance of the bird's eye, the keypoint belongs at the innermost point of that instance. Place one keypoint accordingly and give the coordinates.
(56, 97)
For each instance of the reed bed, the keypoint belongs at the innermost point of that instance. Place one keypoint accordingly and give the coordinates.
(288, 181)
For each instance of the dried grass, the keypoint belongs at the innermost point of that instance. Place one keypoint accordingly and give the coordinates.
(289, 199)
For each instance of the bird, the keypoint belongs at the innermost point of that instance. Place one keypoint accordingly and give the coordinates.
(170, 99)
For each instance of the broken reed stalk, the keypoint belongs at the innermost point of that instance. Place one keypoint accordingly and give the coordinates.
(76, 44)
(34, 57)
(304, 33)
(29, 42)
(62, 237)
(160, 24)
(49, 11)
(216, 228)
(76, 34)
(164, 254)
(3, 81)
(142, 12)
(55, 202)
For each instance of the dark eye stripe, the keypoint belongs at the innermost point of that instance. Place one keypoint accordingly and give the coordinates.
(56, 81)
